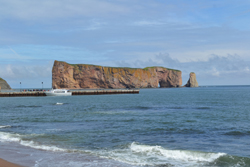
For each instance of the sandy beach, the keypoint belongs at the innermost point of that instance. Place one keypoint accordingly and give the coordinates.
(4, 163)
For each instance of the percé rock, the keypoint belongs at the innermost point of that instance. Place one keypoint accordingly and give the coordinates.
(75, 76)
(192, 82)
(4, 84)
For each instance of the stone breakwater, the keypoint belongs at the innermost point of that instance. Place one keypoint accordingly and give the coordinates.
(77, 76)
(74, 92)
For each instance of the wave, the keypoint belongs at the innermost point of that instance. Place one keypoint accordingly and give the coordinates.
(9, 137)
(203, 108)
(141, 155)
(138, 154)
(111, 112)
(140, 108)
(5, 126)
(176, 107)
(175, 156)
(24, 106)
(237, 133)
(59, 103)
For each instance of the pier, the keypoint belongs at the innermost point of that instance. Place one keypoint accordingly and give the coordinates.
(74, 92)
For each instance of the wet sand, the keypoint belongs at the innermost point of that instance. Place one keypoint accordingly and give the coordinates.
(4, 163)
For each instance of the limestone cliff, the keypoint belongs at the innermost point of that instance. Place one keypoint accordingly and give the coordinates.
(192, 82)
(4, 84)
(72, 76)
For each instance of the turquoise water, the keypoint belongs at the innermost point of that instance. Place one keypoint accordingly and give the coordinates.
(205, 126)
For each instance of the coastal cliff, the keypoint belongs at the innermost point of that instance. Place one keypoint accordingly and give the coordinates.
(192, 82)
(75, 76)
(4, 84)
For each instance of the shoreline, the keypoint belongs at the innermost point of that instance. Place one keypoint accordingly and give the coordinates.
(5, 163)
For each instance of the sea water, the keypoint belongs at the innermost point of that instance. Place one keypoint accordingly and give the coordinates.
(183, 127)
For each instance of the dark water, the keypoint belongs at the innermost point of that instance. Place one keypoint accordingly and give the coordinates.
(205, 126)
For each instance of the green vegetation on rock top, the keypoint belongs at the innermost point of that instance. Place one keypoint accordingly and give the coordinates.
(102, 66)
(147, 68)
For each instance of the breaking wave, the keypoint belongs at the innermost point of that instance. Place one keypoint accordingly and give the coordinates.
(8, 137)
(5, 126)
(138, 154)
(133, 154)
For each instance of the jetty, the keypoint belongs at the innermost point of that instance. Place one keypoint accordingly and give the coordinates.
(74, 92)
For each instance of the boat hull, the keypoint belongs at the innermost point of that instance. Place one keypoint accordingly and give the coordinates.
(58, 94)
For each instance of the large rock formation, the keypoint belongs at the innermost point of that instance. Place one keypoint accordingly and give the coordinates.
(4, 84)
(192, 82)
(72, 76)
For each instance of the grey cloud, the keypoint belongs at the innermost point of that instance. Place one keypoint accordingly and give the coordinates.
(125, 33)
(13, 71)
(222, 64)
(29, 74)
(214, 70)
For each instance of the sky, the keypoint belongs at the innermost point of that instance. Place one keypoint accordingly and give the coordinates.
(208, 37)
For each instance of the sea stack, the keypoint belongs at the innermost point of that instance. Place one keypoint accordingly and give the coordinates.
(4, 84)
(77, 76)
(192, 82)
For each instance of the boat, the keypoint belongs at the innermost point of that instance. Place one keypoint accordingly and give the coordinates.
(58, 92)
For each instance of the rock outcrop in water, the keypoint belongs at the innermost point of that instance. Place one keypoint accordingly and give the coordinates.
(75, 76)
(4, 84)
(192, 82)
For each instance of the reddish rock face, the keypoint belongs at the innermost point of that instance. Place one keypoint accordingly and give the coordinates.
(77, 76)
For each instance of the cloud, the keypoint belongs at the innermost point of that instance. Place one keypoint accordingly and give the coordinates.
(57, 9)
(26, 71)
(21, 54)
(194, 35)
(30, 75)
(214, 70)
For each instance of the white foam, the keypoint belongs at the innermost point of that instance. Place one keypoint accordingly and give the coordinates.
(175, 154)
(134, 154)
(138, 154)
(35, 145)
(59, 103)
(5, 126)
(8, 137)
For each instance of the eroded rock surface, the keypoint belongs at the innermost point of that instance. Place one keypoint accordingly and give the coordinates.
(72, 76)
(4, 84)
(192, 82)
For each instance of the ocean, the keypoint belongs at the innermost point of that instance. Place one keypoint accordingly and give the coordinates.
(163, 127)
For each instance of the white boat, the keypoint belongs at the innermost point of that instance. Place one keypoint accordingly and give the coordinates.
(58, 92)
